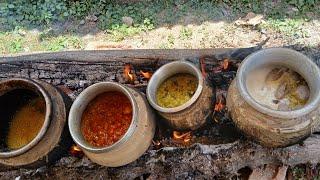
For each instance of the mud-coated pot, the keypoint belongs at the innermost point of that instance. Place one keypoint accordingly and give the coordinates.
(46, 146)
(192, 114)
(275, 128)
(133, 143)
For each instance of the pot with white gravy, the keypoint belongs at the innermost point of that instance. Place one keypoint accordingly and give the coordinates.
(275, 97)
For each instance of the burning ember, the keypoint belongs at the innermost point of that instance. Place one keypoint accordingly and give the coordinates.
(146, 75)
(156, 143)
(185, 137)
(76, 151)
(129, 77)
(225, 64)
(219, 106)
(203, 68)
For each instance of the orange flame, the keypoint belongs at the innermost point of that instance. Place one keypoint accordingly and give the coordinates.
(126, 73)
(156, 143)
(146, 75)
(219, 106)
(225, 64)
(185, 137)
(76, 151)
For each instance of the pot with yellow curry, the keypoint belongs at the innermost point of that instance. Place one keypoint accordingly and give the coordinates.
(179, 93)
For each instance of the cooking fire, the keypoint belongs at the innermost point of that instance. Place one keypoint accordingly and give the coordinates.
(135, 76)
(146, 75)
(76, 151)
(122, 115)
(185, 137)
(127, 74)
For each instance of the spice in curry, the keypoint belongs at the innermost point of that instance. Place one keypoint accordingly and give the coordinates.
(106, 119)
(26, 123)
(176, 90)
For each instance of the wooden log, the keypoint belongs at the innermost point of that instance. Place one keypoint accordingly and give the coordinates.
(197, 161)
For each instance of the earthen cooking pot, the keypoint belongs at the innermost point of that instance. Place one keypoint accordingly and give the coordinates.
(275, 128)
(134, 142)
(46, 145)
(193, 113)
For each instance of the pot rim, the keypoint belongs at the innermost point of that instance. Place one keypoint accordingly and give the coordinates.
(76, 133)
(310, 106)
(46, 122)
(155, 82)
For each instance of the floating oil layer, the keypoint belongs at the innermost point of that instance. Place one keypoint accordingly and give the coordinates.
(176, 90)
(26, 123)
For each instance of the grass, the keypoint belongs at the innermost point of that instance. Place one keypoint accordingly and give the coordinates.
(288, 27)
(14, 45)
(13, 42)
(169, 44)
(185, 33)
(61, 43)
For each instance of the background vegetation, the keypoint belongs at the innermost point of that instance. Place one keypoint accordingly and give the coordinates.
(19, 18)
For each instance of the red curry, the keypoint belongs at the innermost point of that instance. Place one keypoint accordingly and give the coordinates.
(106, 119)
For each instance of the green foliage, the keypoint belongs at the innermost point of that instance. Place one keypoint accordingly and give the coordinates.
(146, 16)
(120, 32)
(62, 43)
(109, 13)
(298, 172)
(185, 33)
(303, 5)
(169, 44)
(12, 42)
(288, 27)
(171, 40)
(44, 12)
(13, 46)
(21, 12)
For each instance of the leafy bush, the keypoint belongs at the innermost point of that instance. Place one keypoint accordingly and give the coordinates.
(19, 12)
(44, 12)
(302, 5)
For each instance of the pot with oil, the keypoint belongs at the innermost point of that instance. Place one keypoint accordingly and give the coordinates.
(32, 119)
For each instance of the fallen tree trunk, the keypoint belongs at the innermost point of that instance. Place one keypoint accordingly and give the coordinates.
(77, 70)
(196, 161)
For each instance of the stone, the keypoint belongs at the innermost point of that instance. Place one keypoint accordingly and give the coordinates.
(251, 19)
(269, 172)
(91, 18)
(22, 32)
(82, 22)
(127, 20)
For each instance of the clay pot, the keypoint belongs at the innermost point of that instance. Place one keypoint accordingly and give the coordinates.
(135, 141)
(275, 128)
(46, 146)
(194, 112)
